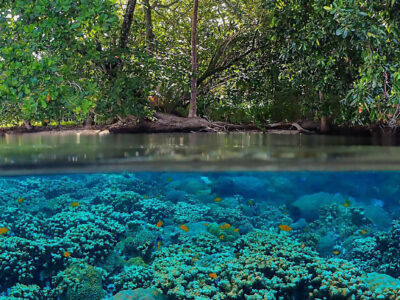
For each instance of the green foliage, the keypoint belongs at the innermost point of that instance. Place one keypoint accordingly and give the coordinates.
(373, 30)
(54, 57)
(259, 60)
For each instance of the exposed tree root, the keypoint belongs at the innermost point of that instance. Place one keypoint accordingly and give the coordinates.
(286, 125)
(170, 123)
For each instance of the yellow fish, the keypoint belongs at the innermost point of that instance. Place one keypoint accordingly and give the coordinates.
(218, 199)
(346, 203)
(67, 254)
(158, 245)
(221, 237)
(213, 275)
(225, 226)
(236, 230)
(285, 228)
(75, 204)
(184, 227)
(160, 223)
(336, 252)
(20, 200)
(363, 231)
(4, 230)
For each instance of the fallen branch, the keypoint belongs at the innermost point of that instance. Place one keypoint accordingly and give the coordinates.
(282, 125)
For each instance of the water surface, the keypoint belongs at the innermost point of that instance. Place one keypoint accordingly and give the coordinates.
(70, 152)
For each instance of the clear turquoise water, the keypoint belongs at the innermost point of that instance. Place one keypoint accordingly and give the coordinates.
(201, 235)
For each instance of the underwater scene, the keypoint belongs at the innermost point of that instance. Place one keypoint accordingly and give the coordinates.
(201, 235)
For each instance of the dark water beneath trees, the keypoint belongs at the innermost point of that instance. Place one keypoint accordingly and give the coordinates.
(198, 216)
(72, 152)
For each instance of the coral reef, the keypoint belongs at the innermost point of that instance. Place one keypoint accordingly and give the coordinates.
(199, 236)
(79, 282)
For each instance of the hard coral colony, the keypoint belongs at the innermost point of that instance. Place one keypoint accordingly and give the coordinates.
(170, 236)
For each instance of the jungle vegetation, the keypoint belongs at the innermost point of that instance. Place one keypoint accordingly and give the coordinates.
(240, 61)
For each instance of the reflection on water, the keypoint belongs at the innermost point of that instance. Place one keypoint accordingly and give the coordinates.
(59, 152)
(201, 235)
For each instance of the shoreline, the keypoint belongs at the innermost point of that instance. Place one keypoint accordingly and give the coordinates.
(167, 123)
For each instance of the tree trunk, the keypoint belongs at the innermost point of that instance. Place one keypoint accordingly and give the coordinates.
(324, 126)
(193, 96)
(149, 24)
(127, 23)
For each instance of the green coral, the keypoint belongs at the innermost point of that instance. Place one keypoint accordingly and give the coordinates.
(224, 232)
(26, 291)
(136, 261)
(124, 201)
(80, 282)
(264, 265)
(133, 277)
(140, 242)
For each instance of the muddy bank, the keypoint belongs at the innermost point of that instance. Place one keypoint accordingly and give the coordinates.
(160, 123)
(167, 123)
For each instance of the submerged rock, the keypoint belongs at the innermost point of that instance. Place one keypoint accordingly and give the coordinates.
(381, 282)
(308, 206)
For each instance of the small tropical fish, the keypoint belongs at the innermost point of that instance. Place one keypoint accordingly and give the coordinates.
(146, 197)
(346, 203)
(285, 228)
(303, 245)
(4, 230)
(336, 252)
(251, 202)
(169, 179)
(158, 242)
(236, 230)
(48, 97)
(67, 254)
(221, 237)
(363, 231)
(225, 226)
(206, 224)
(160, 223)
(75, 204)
(213, 275)
(285, 213)
(184, 227)
(20, 200)
(218, 199)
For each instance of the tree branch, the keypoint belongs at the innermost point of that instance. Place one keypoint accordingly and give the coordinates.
(212, 71)
(127, 23)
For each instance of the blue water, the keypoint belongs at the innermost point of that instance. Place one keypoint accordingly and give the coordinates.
(208, 235)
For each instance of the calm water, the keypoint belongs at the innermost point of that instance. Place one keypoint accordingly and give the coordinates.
(198, 216)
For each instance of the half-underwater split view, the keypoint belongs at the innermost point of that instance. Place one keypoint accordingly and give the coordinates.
(199, 149)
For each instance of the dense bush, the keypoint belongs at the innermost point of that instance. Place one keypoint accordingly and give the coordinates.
(259, 60)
